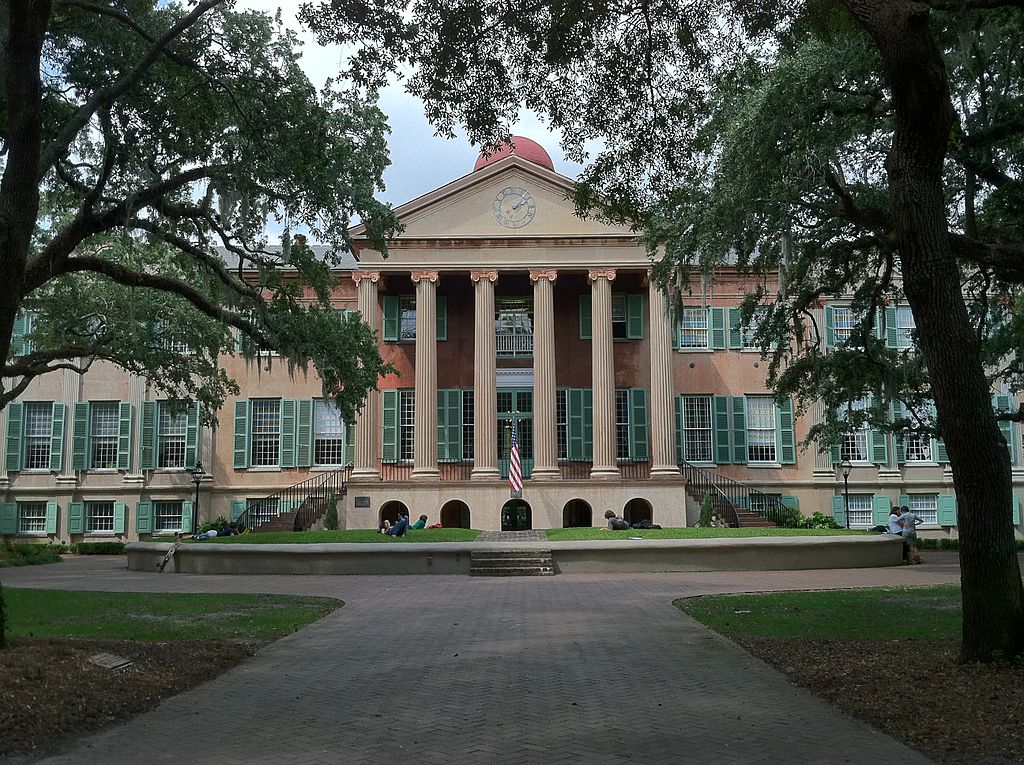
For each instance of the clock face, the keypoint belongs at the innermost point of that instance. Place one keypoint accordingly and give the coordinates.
(513, 207)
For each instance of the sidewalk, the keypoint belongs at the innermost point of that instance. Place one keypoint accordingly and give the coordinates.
(585, 668)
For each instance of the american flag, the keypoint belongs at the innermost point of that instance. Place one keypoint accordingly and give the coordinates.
(515, 464)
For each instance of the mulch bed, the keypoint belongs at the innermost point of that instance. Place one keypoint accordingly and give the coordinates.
(952, 713)
(49, 690)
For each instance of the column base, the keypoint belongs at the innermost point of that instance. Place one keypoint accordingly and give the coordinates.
(66, 481)
(425, 474)
(366, 475)
(485, 474)
(134, 479)
(605, 473)
(665, 472)
(889, 476)
(546, 474)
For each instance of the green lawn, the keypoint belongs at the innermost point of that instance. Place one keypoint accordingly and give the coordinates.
(348, 535)
(158, 616)
(886, 614)
(572, 535)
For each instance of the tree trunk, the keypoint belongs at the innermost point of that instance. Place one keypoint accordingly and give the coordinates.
(993, 594)
(26, 22)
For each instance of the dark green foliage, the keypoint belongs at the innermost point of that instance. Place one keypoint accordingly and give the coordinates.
(791, 518)
(707, 513)
(331, 516)
(821, 521)
(218, 524)
(29, 553)
(99, 548)
(3, 619)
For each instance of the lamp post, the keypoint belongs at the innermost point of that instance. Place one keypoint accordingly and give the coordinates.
(846, 467)
(197, 476)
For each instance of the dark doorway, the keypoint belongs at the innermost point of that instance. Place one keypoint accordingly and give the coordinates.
(576, 514)
(390, 511)
(516, 516)
(455, 514)
(638, 510)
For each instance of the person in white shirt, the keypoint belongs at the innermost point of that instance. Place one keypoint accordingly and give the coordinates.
(910, 521)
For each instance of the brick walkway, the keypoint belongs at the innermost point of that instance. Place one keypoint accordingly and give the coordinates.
(447, 669)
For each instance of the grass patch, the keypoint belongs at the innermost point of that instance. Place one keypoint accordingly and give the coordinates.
(29, 553)
(891, 613)
(587, 533)
(158, 616)
(347, 535)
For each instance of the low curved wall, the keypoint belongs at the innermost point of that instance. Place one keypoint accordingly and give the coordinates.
(625, 557)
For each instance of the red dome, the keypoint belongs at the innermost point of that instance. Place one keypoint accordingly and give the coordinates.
(521, 147)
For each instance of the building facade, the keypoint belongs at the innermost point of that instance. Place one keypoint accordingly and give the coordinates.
(505, 316)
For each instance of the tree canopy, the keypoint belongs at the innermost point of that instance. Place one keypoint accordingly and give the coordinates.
(146, 146)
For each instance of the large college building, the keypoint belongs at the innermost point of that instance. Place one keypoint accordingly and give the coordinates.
(506, 317)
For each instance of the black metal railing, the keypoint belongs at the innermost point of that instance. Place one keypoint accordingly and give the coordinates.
(730, 498)
(307, 501)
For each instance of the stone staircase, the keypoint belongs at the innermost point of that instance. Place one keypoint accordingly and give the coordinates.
(521, 562)
(286, 521)
(753, 520)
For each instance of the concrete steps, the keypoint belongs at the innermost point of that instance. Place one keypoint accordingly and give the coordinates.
(511, 563)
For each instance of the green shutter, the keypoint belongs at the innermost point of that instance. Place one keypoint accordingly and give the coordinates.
(639, 450)
(676, 329)
(588, 424)
(891, 338)
(680, 455)
(80, 437)
(389, 436)
(52, 514)
(836, 453)
(785, 429)
(449, 425)
(830, 327)
(192, 435)
(19, 345)
(60, 414)
(880, 508)
(717, 329)
(790, 501)
(186, 517)
(938, 445)
(9, 518)
(237, 508)
(144, 517)
(839, 510)
(739, 430)
(148, 436)
(574, 413)
(735, 333)
(240, 451)
(904, 500)
(1003, 403)
(124, 435)
(879, 447)
(442, 317)
(946, 514)
(304, 432)
(586, 314)
(1016, 509)
(287, 432)
(392, 309)
(76, 518)
(635, 316)
(722, 430)
(899, 438)
(350, 443)
(119, 512)
(15, 429)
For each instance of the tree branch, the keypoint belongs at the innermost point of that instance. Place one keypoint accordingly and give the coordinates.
(1005, 259)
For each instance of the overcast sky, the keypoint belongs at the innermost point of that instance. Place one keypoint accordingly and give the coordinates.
(420, 161)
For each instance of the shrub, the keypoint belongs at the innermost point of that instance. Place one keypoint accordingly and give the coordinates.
(821, 521)
(99, 548)
(790, 518)
(29, 553)
(3, 620)
(331, 516)
(707, 513)
(218, 524)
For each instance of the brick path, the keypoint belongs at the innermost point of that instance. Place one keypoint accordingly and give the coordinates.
(447, 669)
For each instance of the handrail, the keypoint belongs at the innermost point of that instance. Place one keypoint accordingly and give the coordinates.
(309, 499)
(730, 496)
(705, 485)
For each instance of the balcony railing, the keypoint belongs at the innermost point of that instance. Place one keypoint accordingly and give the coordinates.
(514, 344)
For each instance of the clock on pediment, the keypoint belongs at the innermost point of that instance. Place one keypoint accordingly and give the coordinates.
(514, 207)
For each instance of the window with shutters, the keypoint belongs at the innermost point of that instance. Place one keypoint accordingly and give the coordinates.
(855, 443)
(103, 429)
(926, 506)
(697, 429)
(693, 328)
(620, 318)
(261, 510)
(166, 516)
(919, 446)
(761, 429)
(860, 510)
(99, 516)
(172, 422)
(622, 424)
(759, 502)
(266, 432)
(31, 517)
(407, 317)
(562, 422)
(467, 425)
(905, 326)
(328, 434)
(38, 429)
(747, 333)
(844, 322)
(406, 425)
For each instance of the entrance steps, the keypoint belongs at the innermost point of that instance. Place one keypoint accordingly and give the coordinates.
(511, 563)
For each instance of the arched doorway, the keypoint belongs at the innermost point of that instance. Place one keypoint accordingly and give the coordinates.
(638, 510)
(391, 511)
(516, 515)
(577, 513)
(455, 514)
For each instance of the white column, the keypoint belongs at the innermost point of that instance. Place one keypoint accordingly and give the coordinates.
(425, 456)
(366, 466)
(545, 440)
(603, 374)
(663, 453)
(485, 394)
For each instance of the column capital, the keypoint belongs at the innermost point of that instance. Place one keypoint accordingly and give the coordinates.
(477, 275)
(418, 276)
(537, 274)
(601, 273)
(373, 276)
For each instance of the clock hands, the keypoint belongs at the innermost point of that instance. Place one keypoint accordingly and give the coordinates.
(520, 203)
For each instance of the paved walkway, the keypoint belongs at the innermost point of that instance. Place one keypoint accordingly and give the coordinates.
(449, 669)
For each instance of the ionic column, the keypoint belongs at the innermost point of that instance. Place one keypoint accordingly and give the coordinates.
(425, 456)
(485, 394)
(545, 441)
(663, 456)
(366, 466)
(603, 374)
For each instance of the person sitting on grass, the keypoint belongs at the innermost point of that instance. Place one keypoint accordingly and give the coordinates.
(420, 524)
(385, 526)
(615, 523)
(399, 527)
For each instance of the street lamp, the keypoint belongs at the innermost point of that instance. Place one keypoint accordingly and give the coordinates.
(846, 467)
(197, 476)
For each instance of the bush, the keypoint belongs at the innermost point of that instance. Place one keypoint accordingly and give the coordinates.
(821, 521)
(331, 516)
(707, 513)
(29, 553)
(789, 518)
(218, 525)
(99, 548)
(3, 620)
